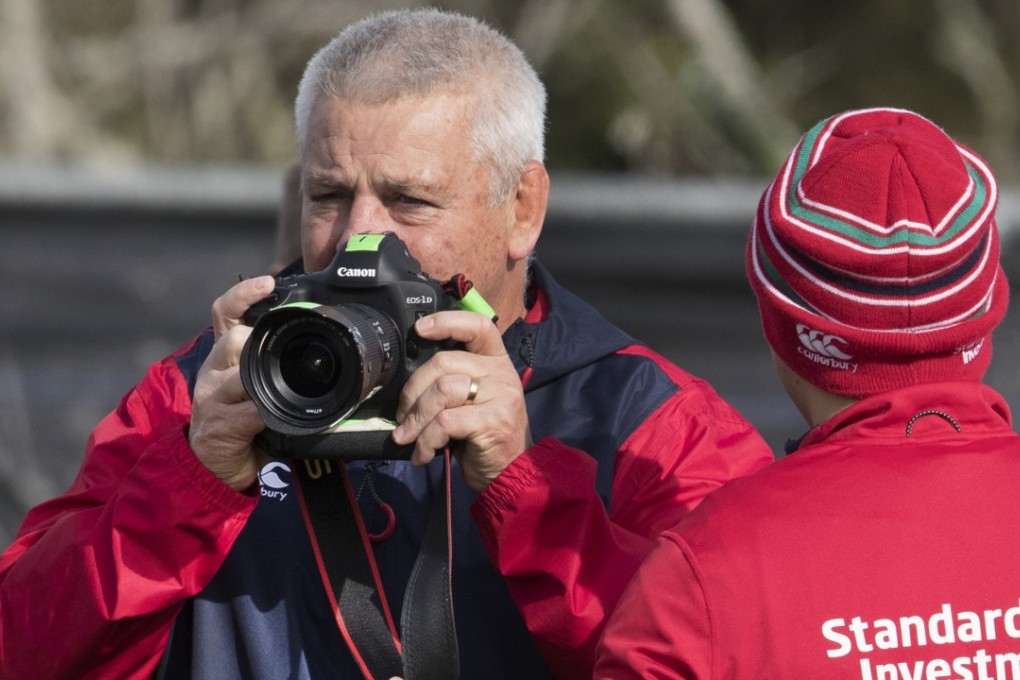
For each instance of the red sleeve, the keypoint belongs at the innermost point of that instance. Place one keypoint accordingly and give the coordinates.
(662, 627)
(95, 577)
(565, 558)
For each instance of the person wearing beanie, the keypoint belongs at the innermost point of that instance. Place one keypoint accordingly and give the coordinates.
(882, 546)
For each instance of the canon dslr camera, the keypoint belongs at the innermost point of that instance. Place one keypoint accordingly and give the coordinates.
(330, 351)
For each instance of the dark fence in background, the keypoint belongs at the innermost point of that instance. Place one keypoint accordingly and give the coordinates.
(103, 272)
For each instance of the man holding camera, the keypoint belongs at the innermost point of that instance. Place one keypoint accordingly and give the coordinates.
(182, 550)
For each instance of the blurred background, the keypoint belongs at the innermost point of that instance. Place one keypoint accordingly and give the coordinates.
(143, 145)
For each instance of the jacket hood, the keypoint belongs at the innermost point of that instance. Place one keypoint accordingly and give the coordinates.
(571, 334)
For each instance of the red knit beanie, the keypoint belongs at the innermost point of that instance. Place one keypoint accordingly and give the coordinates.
(874, 256)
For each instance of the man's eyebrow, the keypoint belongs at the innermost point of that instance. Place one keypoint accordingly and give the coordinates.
(392, 185)
(325, 181)
(412, 185)
(403, 186)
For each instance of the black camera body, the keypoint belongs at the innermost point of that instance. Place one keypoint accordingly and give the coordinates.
(330, 351)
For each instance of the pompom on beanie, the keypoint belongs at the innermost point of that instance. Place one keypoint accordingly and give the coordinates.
(874, 256)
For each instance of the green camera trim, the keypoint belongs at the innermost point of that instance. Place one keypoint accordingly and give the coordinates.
(364, 243)
(300, 305)
(474, 302)
(377, 424)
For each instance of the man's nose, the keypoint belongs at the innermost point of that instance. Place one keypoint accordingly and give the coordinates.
(368, 215)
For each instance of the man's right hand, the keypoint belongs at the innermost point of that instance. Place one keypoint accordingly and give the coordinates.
(224, 421)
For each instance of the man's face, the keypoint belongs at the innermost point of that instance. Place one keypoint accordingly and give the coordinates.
(405, 166)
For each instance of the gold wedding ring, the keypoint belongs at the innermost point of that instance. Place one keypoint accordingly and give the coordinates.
(472, 392)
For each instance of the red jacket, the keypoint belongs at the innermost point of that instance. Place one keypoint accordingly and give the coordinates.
(882, 548)
(147, 538)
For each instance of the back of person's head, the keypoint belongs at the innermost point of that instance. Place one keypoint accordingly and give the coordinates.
(418, 53)
(874, 256)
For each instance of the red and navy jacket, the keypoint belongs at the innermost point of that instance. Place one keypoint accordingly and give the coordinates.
(882, 547)
(148, 566)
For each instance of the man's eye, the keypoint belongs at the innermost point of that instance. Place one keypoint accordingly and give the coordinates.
(404, 199)
(327, 196)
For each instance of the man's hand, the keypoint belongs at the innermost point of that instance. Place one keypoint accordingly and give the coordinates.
(224, 421)
(435, 408)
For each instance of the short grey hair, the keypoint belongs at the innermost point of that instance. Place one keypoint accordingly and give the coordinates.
(419, 52)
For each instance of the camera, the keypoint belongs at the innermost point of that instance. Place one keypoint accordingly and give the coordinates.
(330, 351)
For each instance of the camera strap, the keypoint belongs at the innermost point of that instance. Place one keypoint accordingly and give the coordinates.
(426, 647)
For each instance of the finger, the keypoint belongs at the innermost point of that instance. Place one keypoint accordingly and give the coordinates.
(436, 436)
(232, 389)
(446, 392)
(219, 387)
(221, 435)
(476, 331)
(446, 363)
(485, 439)
(422, 456)
(226, 352)
(223, 424)
(481, 428)
(228, 309)
(472, 392)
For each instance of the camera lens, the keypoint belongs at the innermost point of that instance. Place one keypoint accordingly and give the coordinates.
(308, 367)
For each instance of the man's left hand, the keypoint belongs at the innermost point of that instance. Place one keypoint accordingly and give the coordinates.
(473, 396)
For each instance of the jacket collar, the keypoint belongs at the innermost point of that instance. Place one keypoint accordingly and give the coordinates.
(919, 412)
(561, 334)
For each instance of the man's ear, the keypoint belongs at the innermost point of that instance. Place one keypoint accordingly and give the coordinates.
(530, 202)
